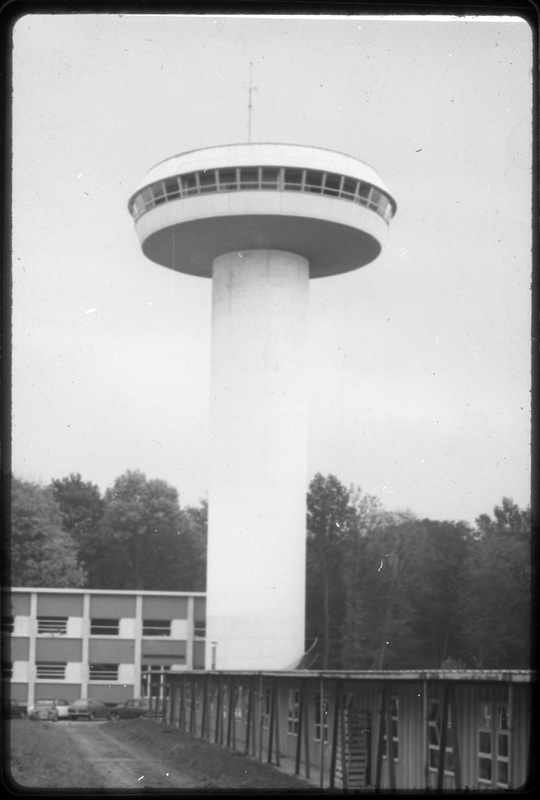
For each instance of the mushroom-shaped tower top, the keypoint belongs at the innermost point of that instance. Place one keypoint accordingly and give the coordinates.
(326, 206)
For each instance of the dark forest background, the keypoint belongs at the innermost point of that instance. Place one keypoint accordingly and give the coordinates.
(384, 590)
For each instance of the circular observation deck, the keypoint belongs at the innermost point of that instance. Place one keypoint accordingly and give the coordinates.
(326, 206)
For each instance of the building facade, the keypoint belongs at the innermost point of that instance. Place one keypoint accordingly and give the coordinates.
(107, 645)
(444, 730)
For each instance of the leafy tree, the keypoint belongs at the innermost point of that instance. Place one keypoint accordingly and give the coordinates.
(194, 538)
(495, 607)
(439, 551)
(82, 508)
(330, 515)
(148, 543)
(379, 621)
(41, 552)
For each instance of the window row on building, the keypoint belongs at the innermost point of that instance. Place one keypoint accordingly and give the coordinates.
(104, 626)
(357, 732)
(74, 643)
(288, 179)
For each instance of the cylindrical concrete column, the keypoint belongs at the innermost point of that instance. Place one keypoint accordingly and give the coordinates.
(257, 487)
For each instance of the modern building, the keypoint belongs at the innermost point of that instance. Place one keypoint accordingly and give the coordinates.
(101, 644)
(260, 220)
(444, 730)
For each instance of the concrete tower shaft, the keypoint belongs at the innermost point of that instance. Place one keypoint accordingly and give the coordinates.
(260, 220)
(257, 513)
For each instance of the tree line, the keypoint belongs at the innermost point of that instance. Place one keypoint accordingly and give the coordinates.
(383, 590)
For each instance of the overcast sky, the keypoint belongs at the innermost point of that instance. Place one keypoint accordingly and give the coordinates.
(419, 362)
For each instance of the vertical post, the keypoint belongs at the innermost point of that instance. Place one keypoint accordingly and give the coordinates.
(192, 710)
(249, 714)
(455, 738)
(272, 720)
(261, 715)
(219, 712)
(307, 730)
(321, 717)
(230, 720)
(277, 703)
(380, 740)
(511, 729)
(390, 741)
(344, 754)
(335, 733)
(425, 750)
(442, 743)
(182, 721)
(204, 706)
(163, 698)
(300, 727)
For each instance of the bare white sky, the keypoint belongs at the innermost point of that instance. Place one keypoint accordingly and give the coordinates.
(420, 362)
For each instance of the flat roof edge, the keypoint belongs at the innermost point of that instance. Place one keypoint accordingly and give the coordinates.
(77, 590)
(494, 675)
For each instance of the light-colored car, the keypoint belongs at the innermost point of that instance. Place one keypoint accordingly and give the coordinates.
(88, 709)
(52, 710)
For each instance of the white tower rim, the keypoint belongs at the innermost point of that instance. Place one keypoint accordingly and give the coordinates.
(264, 153)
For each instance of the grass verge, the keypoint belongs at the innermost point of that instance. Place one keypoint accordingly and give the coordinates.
(32, 759)
(211, 766)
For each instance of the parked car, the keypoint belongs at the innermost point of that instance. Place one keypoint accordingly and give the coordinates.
(11, 709)
(131, 710)
(53, 710)
(88, 709)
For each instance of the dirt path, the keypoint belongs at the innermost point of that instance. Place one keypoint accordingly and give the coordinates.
(120, 766)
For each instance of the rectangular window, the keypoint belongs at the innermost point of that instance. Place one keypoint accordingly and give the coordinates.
(52, 624)
(152, 679)
(190, 184)
(8, 624)
(158, 193)
(293, 179)
(199, 630)
(314, 181)
(363, 192)
(138, 205)
(434, 738)
(249, 178)
(348, 189)
(227, 179)
(321, 717)
(207, 180)
(493, 744)
(172, 188)
(266, 706)
(51, 671)
(269, 178)
(374, 198)
(103, 672)
(332, 184)
(293, 712)
(156, 627)
(104, 627)
(146, 195)
(394, 721)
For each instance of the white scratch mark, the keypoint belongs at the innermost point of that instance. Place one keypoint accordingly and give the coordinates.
(387, 490)
(219, 76)
(380, 567)
(91, 311)
(140, 779)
